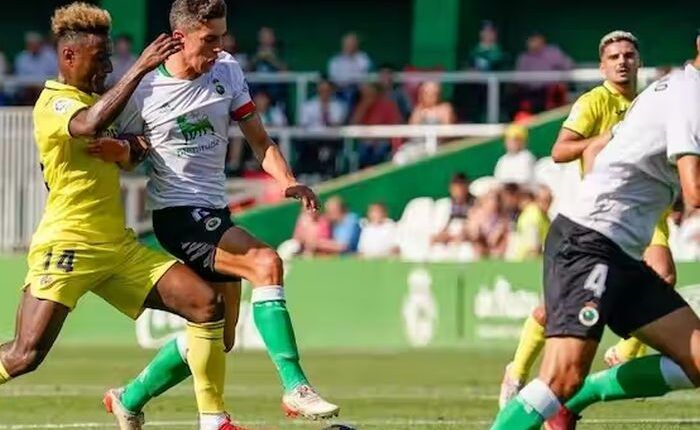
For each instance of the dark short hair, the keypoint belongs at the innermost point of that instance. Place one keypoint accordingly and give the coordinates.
(187, 13)
(459, 178)
(511, 187)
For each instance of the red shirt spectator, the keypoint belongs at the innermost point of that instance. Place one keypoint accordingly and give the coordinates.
(375, 108)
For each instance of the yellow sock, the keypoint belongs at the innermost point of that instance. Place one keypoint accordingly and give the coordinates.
(531, 342)
(642, 351)
(627, 349)
(4, 376)
(207, 361)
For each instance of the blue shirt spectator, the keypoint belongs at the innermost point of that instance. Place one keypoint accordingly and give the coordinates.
(347, 232)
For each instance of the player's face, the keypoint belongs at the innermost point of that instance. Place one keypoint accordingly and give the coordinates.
(620, 62)
(86, 62)
(202, 45)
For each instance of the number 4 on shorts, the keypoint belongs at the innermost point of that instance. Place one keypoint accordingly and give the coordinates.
(65, 261)
(596, 280)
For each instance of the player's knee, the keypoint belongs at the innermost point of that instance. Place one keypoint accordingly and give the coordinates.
(539, 315)
(207, 308)
(268, 267)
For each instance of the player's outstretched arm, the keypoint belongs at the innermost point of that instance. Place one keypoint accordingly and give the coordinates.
(689, 172)
(92, 121)
(273, 162)
(128, 151)
(570, 145)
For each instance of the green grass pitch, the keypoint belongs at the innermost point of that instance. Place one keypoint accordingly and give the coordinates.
(392, 390)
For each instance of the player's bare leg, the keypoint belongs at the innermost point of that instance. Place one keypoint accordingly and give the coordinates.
(565, 363)
(182, 292)
(38, 324)
(240, 254)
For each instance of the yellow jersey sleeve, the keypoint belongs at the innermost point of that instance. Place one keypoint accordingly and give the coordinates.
(661, 231)
(583, 117)
(56, 114)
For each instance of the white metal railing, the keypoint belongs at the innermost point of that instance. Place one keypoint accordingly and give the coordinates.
(23, 193)
(492, 81)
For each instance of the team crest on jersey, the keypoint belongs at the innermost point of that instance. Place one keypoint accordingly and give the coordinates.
(61, 106)
(218, 87)
(194, 126)
(588, 316)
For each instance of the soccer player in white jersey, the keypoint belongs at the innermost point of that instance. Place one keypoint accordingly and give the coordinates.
(184, 109)
(593, 269)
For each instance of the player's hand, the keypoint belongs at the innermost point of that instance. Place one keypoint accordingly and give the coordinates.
(109, 149)
(308, 198)
(158, 51)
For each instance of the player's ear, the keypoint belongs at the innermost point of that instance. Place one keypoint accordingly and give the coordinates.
(68, 54)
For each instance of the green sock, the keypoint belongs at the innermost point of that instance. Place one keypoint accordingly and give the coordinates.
(517, 415)
(641, 377)
(273, 322)
(165, 371)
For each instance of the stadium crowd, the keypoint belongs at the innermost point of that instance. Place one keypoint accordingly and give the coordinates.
(337, 99)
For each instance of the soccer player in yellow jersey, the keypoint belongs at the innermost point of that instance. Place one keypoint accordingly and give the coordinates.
(82, 244)
(583, 135)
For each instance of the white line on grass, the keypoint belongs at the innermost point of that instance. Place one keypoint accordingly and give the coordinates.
(370, 422)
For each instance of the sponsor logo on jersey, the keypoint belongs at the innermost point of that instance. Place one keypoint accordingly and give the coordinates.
(61, 106)
(193, 128)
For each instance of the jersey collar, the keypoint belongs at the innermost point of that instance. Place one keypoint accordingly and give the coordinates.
(608, 86)
(163, 71)
(52, 84)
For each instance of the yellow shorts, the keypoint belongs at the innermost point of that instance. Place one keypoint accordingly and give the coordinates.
(122, 272)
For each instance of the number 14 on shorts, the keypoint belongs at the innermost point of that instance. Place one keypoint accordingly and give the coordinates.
(64, 261)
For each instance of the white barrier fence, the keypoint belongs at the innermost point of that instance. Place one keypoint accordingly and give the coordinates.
(23, 192)
(492, 80)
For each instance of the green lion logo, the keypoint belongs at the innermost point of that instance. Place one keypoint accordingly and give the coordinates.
(194, 129)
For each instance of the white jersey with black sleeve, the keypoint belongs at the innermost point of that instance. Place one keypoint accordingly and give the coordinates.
(634, 178)
(187, 122)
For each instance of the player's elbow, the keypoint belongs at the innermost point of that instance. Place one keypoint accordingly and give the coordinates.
(560, 154)
(691, 196)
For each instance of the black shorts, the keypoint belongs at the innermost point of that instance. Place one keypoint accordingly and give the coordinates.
(192, 234)
(589, 281)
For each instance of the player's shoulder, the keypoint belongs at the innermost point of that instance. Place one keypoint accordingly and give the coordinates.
(226, 61)
(596, 95)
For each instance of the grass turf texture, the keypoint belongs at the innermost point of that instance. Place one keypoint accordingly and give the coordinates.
(402, 390)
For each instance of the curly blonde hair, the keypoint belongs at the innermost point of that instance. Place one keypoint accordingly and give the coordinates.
(80, 18)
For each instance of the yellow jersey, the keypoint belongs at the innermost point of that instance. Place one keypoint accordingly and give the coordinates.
(84, 200)
(596, 112)
(532, 227)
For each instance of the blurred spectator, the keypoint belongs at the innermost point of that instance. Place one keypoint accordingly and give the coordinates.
(460, 204)
(347, 65)
(517, 165)
(122, 59)
(541, 56)
(270, 115)
(487, 226)
(311, 229)
(430, 109)
(345, 229)
(533, 223)
(487, 55)
(379, 235)
(396, 93)
(511, 197)
(230, 45)
(268, 59)
(324, 110)
(374, 108)
(4, 67)
(36, 60)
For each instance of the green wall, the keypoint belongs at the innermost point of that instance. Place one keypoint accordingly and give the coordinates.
(666, 30)
(311, 29)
